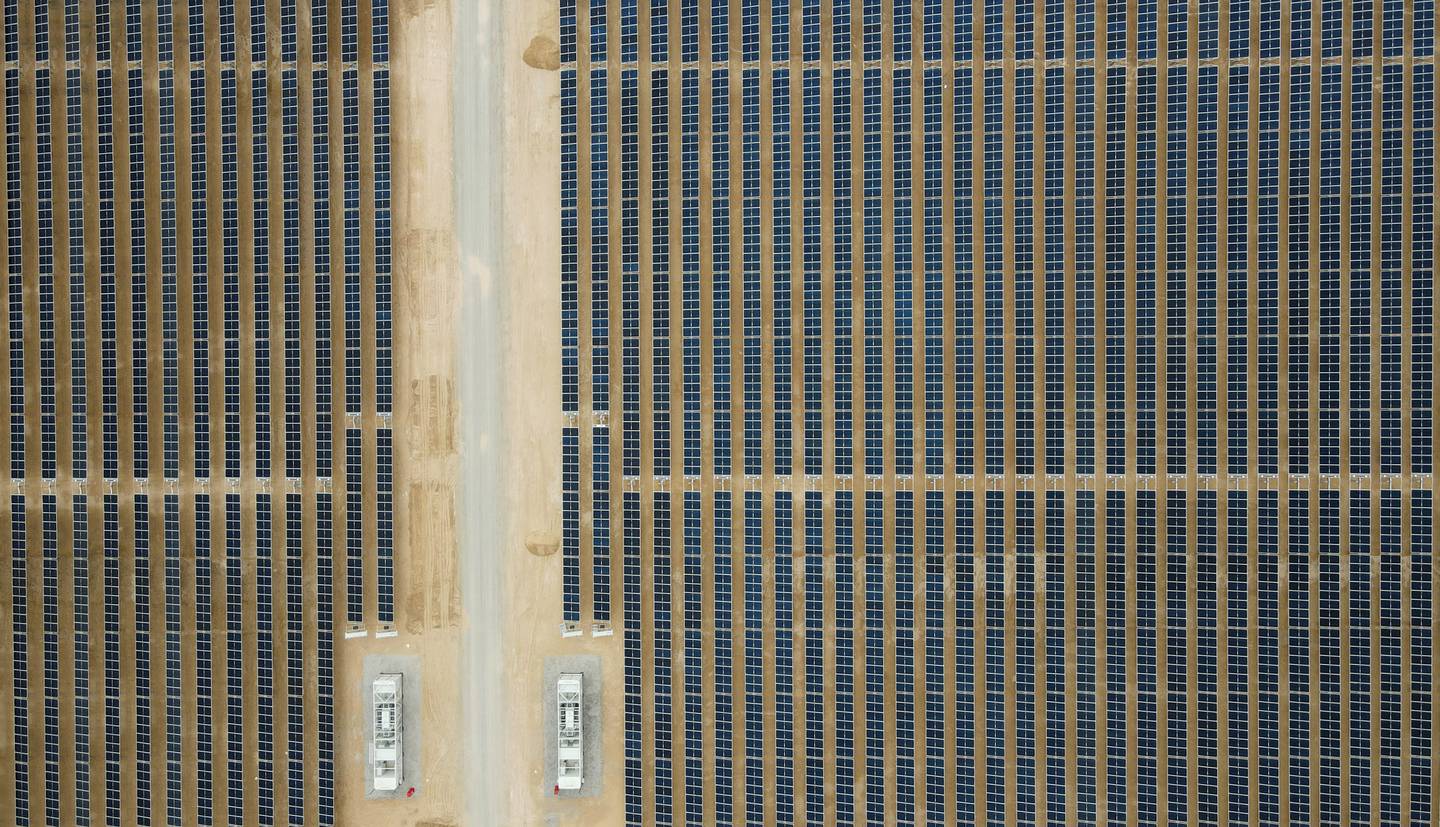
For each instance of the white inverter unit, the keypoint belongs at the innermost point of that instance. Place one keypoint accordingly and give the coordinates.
(570, 695)
(386, 749)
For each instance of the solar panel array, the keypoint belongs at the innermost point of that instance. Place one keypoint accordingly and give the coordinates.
(183, 548)
(1035, 399)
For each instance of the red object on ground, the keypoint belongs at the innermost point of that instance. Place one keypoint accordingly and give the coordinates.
(557, 790)
(410, 793)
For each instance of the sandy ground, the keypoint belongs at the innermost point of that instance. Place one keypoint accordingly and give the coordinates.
(478, 482)
(507, 240)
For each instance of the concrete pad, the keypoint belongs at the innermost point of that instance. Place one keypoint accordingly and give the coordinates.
(589, 666)
(410, 705)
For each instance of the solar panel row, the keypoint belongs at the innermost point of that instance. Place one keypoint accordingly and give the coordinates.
(1083, 592)
(1230, 729)
(50, 315)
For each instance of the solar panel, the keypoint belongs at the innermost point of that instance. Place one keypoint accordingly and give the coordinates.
(75, 221)
(1082, 580)
(1301, 649)
(319, 30)
(1056, 639)
(935, 678)
(1422, 631)
(325, 658)
(994, 642)
(693, 659)
(1117, 618)
(80, 668)
(205, 753)
(294, 459)
(139, 331)
(722, 381)
(844, 656)
(320, 185)
(629, 273)
(50, 629)
(266, 738)
(227, 31)
(109, 315)
(140, 573)
(724, 666)
(354, 529)
(111, 547)
(349, 31)
(257, 31)
(169, 281)
(600, 523)
(199, 264)
(20, 659)
(780, 299)
(904, 646)
(235, 673)
(631, 641)
(260, 230)
(964, 699)
(875, 629)
(173, 772)
(754, 637)
(660, 656)
(195, 20)
(384, 527)
(295, 657)
(1023, 622)
(784, 614)
(902, 253)
(350, 96)
(16, 287)
(384, 336)
(814, 645)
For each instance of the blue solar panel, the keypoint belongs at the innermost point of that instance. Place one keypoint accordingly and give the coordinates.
(660, 656)
(139, 358)
(235, 672)
(111, 550)
(631, 640)
(354, 528)
(80, 635)
(50, 630)
(144, 783)
(693, 659)
(384, 526)
(205, 753)
(265, 659)
(295, 656)
(325, 658)
(173, 802)
(875, 679)
(20, 656)
(784, 616)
